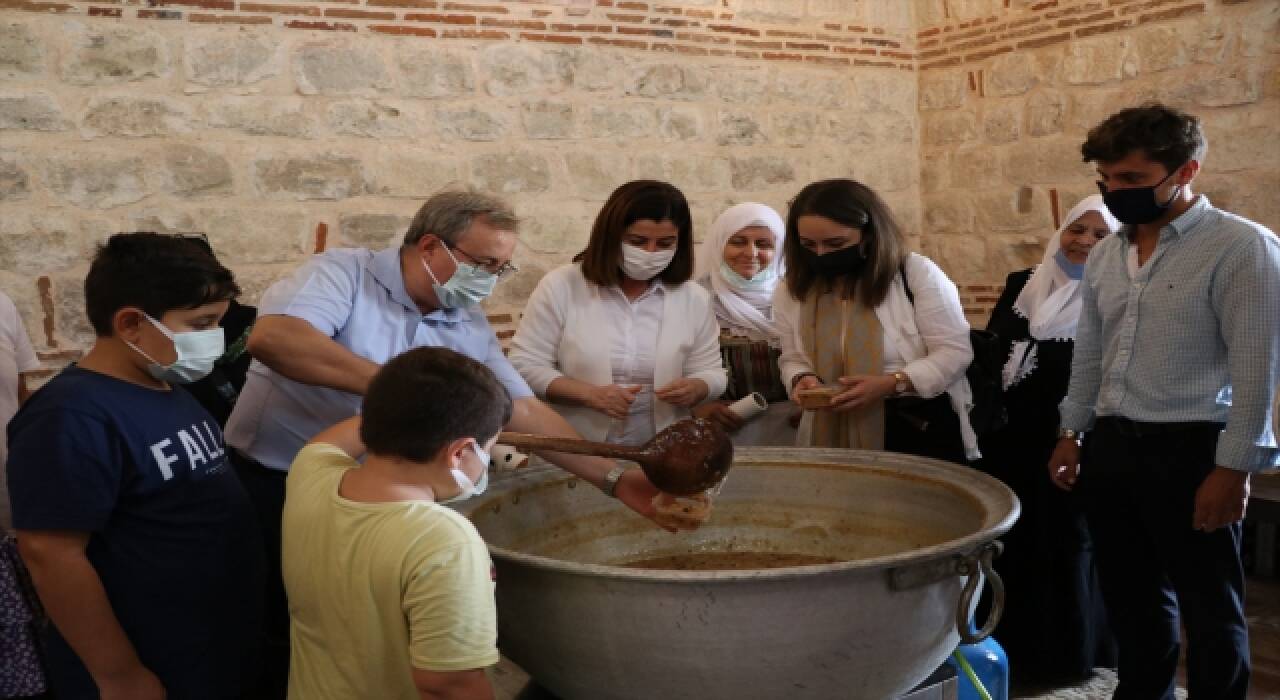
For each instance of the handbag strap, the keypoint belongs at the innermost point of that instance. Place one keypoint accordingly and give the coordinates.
(906, 286)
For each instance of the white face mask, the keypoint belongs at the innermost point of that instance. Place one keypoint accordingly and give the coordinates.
(640, 264)
(467, 488)
(197, 352)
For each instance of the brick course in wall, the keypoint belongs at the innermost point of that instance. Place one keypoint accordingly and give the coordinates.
(641, 26)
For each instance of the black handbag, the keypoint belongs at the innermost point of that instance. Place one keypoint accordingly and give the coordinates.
(988, 413)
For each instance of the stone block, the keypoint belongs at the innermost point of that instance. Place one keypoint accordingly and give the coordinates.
(691, 172)
(1002, 121)
(1094, 61)
(544, 119)
(71, 323)
(325, 176)
(852, 128)
(435, 73)
(795, 129)
(761, 172)
(262, 116)
(743, 85)
(1018, 252)
(812, 90)
(623, 121)
(519, 69)
(375, 119)
(471, 124)
(162, 220)
(943, 89)
(115, 56)
(668, 81)
(1046, 112)
(595, 175)
(195, 171)
(935, 170)
(15, 183)
(975, 168)
(1259, 32)
(593, 70)
(49, 240)
(34, 111)
(962, 258)
(1013, 210)
(740, 129)
(399, 174)
(256, 235)
(949, 213)
(224, 59)
(334, 69)
(1047, 160)
(99, 179)
(513, 293)
(372, 231)
(555, 232)
(1160, 48)
(510, 172)
(22, 54)
(948, 128)
(1238, 85)
(1011, 74)
(883, 170)
(785, 11)
(119, 115)
(678, 123)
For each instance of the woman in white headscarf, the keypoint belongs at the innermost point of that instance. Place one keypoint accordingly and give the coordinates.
(1053, 628)
(740, 263)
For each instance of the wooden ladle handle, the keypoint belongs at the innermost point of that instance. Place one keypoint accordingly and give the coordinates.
(525, 441)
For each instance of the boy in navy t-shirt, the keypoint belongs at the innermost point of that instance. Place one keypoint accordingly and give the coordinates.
(140, 540)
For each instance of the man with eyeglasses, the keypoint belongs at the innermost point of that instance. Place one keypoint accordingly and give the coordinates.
(323, 333)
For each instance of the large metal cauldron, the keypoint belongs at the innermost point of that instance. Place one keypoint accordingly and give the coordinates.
(913, 533)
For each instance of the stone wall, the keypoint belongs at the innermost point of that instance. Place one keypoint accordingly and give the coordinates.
(282, 129)
(1009, 89)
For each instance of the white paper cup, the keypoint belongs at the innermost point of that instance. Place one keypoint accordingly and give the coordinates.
(749, 407)
(506, 457)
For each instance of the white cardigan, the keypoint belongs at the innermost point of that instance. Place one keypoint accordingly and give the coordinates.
(559, 336)
(933, 338)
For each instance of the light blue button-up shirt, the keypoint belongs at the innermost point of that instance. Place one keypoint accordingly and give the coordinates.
(358, 298)
(1194, 335)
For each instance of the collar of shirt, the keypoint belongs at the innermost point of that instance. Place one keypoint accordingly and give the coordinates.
(655, 287)
(1185, 224)
(385, 268)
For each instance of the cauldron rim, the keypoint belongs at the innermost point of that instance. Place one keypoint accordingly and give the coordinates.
(971, 482)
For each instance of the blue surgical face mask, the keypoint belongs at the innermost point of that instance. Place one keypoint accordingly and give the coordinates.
(762, 280)
(468, 286)
(1074, 270)
(467, 488)
(197, 352)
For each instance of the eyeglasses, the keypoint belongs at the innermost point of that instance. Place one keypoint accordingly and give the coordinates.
(501, 269)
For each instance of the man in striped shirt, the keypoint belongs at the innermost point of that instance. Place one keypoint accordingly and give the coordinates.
(1176, 364)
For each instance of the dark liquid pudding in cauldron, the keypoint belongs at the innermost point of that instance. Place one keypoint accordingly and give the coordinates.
(728, 561)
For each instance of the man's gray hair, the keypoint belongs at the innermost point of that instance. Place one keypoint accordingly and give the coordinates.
(448, 214)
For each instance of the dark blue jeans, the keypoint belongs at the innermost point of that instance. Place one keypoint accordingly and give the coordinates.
(1138, 490)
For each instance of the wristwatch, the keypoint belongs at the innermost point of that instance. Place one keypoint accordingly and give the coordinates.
(611, 480)
(1068, 433)
(900, 383)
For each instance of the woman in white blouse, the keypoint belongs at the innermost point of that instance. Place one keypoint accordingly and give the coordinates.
(846, 321)
(619, 340)
(740, 263)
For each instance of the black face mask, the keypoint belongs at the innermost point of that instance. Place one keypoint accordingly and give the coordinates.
(1137, 205)
(840, 263)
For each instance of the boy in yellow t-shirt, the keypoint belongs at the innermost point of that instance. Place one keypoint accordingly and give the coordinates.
(390, 592)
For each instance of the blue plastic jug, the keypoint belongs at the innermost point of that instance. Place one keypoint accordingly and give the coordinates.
(990, 665)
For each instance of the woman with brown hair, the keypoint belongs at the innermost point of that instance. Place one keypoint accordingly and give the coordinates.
(881, 327)
(619, 340)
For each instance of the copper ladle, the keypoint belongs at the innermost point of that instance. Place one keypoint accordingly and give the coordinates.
(685, 458)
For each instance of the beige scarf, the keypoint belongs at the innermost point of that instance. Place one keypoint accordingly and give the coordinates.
(844, 338)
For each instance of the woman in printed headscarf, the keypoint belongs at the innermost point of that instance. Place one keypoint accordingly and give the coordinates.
(1054, 627)
(879, 326)
(739, 263)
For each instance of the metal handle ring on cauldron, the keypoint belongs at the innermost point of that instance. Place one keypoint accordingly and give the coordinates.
(980, 561)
